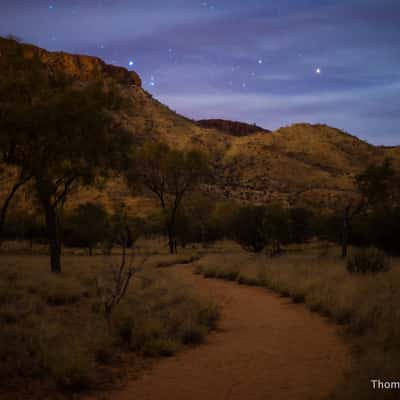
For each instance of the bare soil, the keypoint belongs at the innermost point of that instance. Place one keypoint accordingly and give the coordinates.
(266, 348)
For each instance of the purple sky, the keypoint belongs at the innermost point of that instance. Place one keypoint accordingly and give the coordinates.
(269, 62)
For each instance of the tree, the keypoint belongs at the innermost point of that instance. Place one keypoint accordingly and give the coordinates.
(250, 229)
(17, 74)
(87, 226)
(376, 186)
(379, 184)
(197, 221)
(277, 225)
(124, 230)
(300, 224)
(61, 133)
(169, 175)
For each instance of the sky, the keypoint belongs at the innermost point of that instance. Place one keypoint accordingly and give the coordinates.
(270, 62)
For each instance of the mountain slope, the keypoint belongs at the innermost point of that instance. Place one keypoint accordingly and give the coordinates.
(233, 128)
(303, 163)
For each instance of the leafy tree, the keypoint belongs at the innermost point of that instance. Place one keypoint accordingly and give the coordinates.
(250, 229)
(169, 175)
(300, 224)
(224, 214)
(87, 226)
(61, 134)
(379, 227)
(124, 230)
(17, 75)
(197, 221)
(277, 225)
(377, 186)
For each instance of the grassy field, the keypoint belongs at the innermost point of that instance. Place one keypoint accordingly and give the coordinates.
(367, 306)
(56, 342)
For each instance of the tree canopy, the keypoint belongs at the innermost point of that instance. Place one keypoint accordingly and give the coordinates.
(169, 175)
(59, 132)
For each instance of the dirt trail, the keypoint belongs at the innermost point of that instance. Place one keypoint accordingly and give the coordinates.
(267, 348)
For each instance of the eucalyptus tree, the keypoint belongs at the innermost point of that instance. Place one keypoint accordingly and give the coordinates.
(169, 175)
(61, 133)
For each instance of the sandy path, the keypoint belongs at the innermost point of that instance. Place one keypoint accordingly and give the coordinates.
(267, 348)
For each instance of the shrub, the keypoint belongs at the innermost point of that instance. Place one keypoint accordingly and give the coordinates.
(160, 347)
(58, 291)
(249, 228)
(193, 333)
(370, 260)
(209, 316)
(68, 349)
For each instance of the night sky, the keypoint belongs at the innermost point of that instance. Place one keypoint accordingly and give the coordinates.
(272, 62)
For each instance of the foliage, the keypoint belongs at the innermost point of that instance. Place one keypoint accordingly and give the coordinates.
(23, 226)
(123, 229)
(249, 228)
(370, 260)
(55, 340)
(379, 184)
(57, 132)
(86, 226)
(169, 175)
(197, 221)
(277, 225)
(301, 229)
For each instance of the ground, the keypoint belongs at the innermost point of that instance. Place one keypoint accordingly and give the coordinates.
(266, 348)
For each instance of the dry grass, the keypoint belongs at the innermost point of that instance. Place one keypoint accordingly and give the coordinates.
(367, 306)
(54, 339)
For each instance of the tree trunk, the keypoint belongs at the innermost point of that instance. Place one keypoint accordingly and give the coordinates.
(5, 206)
(53, 238)
(21, 181)
(171, 240)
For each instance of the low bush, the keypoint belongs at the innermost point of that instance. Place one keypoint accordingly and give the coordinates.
(68, 348)
(370, 260)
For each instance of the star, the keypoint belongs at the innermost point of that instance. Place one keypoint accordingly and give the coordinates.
(318, 71)
(51, 6)
(130, 63)
(260, 61)
(152, 81)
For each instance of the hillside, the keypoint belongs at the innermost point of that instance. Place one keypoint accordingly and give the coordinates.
(233, 128)
(297, 164)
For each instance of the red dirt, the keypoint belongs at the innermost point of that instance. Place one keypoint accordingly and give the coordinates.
(267, 348)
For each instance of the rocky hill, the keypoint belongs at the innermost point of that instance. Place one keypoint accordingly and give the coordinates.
(302, 163)
(233, 128)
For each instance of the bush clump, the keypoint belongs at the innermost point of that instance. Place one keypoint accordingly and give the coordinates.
(370, 260)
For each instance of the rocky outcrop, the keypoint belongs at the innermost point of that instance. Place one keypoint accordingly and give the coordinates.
(79, 67)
